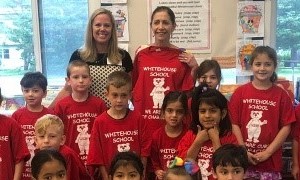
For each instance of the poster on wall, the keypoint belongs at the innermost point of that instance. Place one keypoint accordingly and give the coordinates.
(250, 22)
(193, 19)
(114, 1)
(244, 49)
(120, 13)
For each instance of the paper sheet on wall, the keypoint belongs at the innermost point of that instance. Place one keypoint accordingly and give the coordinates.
(193, 19)
(244, 49)
(250, 22)
(114, 1)
(120, 13)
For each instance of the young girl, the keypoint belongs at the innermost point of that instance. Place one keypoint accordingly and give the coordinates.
(261, 115)
(209, 71)
(165, 139)
(210, 129)
(126, 165)
(48, 164)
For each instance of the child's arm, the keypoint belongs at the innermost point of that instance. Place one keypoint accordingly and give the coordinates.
(144, 161)
(213, 134)
(104, 173)
(295, 164)
(201, 137)
(275, 145)
(18, 170)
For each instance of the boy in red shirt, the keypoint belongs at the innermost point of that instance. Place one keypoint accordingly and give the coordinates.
(13, 149)
(118, 129)
(34, 89)
(49, 131)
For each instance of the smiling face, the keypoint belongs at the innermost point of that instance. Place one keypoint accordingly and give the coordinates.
(52, 170)
(162, 27)
(33, 96)
(210, 116)
(102, 29)
(263, 68)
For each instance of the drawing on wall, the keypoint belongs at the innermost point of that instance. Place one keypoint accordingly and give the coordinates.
(244, 49)
(193, 20)
(250, 19)
(120, 13)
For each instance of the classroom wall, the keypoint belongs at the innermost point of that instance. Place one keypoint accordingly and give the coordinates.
(223, 26)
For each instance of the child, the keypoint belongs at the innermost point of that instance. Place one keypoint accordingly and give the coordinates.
(118, 129)
(230, 161)
(296, 138)
(209, 72)
(177, 173)
(13, 149)
(165, 140)
(79, 110)
(126, 165)
(48, 164)
(210, 128)
(34, 89)
(49, 131)
(261, 115)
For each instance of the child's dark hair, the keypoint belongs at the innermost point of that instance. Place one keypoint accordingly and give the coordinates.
(230, 154)
(206, 66)
(31, 79)
(77, 63)
(166, 9)
(43, 156)
(178, 171)
(270, 52)
(125, 159)
(174, 96)
(214, 98)
(119, 79)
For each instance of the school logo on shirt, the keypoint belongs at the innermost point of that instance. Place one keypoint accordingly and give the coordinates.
(254, 126)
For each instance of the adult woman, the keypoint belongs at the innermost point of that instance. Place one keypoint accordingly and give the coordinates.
(101, 52)
(160, 67)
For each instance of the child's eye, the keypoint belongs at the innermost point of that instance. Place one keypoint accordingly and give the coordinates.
(62, 174)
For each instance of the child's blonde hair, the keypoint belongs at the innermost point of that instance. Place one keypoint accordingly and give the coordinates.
(47, 120)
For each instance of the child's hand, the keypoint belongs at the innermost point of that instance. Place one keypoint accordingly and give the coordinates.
(251, 158)
(295, 171)
(159, 174)
(202, 135)
(213, 133)
(261, 156)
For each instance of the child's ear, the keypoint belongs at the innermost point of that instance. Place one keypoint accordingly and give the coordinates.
(67, 81)
(214, 174)
(63, 140)
(45, 93)
(224, 113)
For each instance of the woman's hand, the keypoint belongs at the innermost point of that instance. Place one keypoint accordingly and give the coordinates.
(189, 59)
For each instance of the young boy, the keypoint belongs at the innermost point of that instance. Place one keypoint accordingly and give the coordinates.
(230, 161)
(13, 149)
(118, 129)
(49, 133)
(79, 110)
(34, 89)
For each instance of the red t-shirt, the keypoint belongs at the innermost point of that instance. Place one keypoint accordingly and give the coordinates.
(164, 148)
(156, 71)
(78, 118)
(13, 148)
(260, 114)
(75, 168)
(205, 153)
(26, 120)
(110, 136)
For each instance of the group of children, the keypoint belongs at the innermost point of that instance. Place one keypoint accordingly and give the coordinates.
(83, 139)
